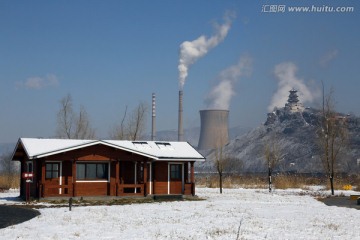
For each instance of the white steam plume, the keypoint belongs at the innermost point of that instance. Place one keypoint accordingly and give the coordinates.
(220, 96)
(287, 80)
(190, 52)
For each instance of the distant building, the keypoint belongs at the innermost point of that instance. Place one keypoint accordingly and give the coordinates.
(293, 104)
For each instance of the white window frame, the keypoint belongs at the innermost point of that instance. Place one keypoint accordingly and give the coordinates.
(91, 181)
(29, 162)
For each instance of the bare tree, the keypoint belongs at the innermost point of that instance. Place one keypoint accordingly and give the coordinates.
(73, 125)
(273, 155)
(65, 118)
(332, 136)
(7, 165)
(118, 132)
(132, 127)
(221, 163)
(83, 129)
(136, 123)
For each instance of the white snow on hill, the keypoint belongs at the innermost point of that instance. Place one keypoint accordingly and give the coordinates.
(235, 214)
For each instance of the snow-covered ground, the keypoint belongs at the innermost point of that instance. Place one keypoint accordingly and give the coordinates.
(235, 214)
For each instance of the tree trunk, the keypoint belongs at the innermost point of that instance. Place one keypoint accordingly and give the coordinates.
(220, 179)
(331, 178)
(270, 181)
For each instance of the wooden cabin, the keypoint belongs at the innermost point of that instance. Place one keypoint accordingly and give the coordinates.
(79, 168)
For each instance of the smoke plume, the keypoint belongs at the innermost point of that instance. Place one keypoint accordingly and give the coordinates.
(220, 96)
(190, 52)
(287, 80)
(328, 57)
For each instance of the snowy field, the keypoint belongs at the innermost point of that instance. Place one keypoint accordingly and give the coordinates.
(236, 214)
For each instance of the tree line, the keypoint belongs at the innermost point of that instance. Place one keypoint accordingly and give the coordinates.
(73, 124)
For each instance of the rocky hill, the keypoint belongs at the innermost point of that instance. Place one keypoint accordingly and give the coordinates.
(296, 135)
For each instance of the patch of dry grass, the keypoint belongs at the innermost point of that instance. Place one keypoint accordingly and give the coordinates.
(8, 181)
(279, 181)
(248, 181)
(341, 181)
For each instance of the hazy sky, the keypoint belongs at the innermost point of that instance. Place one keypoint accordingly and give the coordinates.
(112, 54)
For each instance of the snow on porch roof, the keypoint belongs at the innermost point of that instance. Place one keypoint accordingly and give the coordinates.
(157, 150)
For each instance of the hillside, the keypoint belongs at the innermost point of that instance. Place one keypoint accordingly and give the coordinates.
(295, 132)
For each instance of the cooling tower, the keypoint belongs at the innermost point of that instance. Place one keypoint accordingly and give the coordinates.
(214, 129)
(180, 123)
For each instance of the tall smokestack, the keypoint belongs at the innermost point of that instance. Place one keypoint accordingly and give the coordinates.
(153, 123)
(214, 130)
(180, 125)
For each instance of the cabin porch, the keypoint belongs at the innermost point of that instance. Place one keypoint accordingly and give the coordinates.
(115, 178)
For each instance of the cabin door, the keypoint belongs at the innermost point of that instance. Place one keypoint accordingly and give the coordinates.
(52, 178)
(176, 178)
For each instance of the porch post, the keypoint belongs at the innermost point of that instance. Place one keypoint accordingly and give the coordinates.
(150, 179)
(192, 176)
(74, 177)
(117, 176)
(145, 177)
(135, 173)
(42, 185)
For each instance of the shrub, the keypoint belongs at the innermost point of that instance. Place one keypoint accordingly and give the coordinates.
(347, 187)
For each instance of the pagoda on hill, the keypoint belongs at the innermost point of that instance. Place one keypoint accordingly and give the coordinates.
(293, 104)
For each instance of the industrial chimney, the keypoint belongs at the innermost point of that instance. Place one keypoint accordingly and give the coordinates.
(214, 129)
(153, 127)
(180, 125)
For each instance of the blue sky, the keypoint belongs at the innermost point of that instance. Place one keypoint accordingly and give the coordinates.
(112, 54)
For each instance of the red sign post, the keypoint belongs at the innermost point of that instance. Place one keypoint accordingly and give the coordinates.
(27, 176)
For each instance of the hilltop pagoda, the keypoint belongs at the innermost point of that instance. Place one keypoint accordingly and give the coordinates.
(293, 104)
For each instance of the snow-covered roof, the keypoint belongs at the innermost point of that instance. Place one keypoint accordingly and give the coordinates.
(157, 150)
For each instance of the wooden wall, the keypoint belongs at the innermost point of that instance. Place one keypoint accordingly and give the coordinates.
(122, 169)
(160, 178)
(92, 189)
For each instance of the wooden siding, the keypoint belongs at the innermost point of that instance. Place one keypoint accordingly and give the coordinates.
(121, 180)
(160, 178)
(188, 189)
(92, 189)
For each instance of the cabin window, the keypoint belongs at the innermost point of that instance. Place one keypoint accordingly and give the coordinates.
(29, 166)
(175, 171)
(52, 170)
(92, 171)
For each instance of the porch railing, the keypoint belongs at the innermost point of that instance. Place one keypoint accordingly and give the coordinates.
(49, 190)
(130, 189)
(55, 190)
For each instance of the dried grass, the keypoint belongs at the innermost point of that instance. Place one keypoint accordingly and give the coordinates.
(280, 181)
(8, 181)
(341, 181)
(248, 181)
